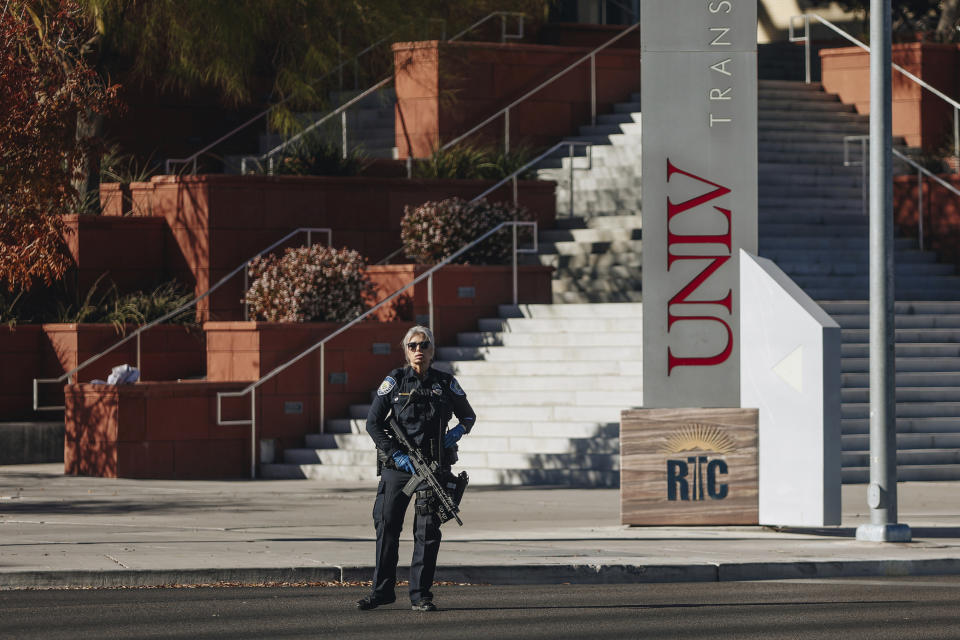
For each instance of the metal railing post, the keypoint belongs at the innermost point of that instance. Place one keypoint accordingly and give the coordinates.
(430, 300)
(506, 130)
(323, 388)
(593, 89)
(956, 136)
(139, 368)
(570, 207)
(805, 38)
(864, 175)
(246, 287)
(253, 434)
(503, 28)
(514, 228)
(516, 199)
(920, 207)
(343, 131)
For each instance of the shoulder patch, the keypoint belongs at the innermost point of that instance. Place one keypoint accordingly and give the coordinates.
(386, 386)
(455, 387)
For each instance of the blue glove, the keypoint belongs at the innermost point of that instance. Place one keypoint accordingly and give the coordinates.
(402, 461)
(453, 436)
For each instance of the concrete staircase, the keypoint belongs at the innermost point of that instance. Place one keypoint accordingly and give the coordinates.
(812, 225)
(548, 383)
(596, 250)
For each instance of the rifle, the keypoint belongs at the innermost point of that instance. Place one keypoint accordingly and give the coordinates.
(425, 472)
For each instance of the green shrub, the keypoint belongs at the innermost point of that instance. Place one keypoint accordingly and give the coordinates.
(102, 303)
(314, 156)
(467, 162)
(435, 230)
(309, 284)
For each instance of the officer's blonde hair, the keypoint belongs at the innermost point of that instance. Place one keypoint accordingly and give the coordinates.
(414, 331)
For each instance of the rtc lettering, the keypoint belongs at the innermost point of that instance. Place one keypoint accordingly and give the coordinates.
(684, 488)
(715, 263)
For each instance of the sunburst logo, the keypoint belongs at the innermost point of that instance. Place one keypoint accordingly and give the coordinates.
(698, 436)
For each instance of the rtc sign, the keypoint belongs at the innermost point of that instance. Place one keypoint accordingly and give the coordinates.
(699, 104)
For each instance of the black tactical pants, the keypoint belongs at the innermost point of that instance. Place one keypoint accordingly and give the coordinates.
(388, 511)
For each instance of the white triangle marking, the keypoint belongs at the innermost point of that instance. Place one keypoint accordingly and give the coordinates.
(790, 369)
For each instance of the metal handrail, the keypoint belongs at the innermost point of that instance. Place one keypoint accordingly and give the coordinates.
(342, 109)
(170, 162)
(514, 176)
(805, 38)
(505, 111)
(504, 36)
(921, 172)
(68, 377)
(426, 275)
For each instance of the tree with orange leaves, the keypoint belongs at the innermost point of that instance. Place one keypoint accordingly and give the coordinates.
(44, 84)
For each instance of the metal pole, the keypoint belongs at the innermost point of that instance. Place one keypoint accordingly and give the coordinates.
(882, 491)
(246, 287)
(515, 198)
(920, 207)
(593, 89)
(506, 130)
(864, 176)
(956, 136)
(323, 383)
(570, 147)
(514, 227)
(253, 434)
(430, 299)
(138, 356)
(806, 45)
(343, 132)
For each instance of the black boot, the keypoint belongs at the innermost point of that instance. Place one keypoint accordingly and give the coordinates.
(372, 602)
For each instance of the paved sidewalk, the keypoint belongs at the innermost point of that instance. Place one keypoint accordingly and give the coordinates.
(68, 531)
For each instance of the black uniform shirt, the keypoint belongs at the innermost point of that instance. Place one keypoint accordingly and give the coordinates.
(422, 408)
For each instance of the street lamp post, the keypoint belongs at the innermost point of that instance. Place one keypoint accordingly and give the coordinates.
(882, 492)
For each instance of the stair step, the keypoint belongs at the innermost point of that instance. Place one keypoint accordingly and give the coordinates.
(906, 473)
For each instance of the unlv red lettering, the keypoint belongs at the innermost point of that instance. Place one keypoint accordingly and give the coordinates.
(709, 361)
(674, 209)
(683, 296)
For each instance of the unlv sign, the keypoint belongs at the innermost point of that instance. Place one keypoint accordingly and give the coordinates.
(699, 104)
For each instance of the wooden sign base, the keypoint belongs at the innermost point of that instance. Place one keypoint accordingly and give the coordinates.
(688, 466)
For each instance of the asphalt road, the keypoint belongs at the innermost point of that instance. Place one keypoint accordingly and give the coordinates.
(895, 608)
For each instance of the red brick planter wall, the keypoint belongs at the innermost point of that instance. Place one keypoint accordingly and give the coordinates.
(167, 352)
(20, 352)
(154, 430)
(444, 89)
(918, 115)
(217, 222)
(129, 250)
(288, 405)
(941, 214)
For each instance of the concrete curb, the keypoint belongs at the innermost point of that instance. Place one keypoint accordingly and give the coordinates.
(493, 574)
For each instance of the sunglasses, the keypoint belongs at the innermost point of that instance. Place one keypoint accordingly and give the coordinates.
(418, 346)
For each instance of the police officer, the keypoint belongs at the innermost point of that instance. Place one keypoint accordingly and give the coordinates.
(422, 400)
